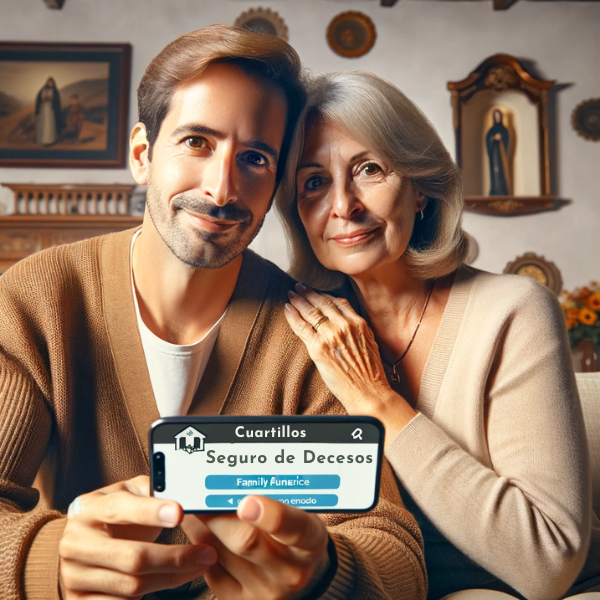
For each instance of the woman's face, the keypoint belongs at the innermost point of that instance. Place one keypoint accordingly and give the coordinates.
(358, 213)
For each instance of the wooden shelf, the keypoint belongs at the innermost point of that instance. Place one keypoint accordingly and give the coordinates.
(507, 206)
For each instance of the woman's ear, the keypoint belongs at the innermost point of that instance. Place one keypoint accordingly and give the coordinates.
(139, 150)
(421, 201)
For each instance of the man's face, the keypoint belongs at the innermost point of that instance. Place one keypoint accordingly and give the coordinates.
(214, 164)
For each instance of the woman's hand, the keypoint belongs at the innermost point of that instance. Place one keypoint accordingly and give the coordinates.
(345, 352)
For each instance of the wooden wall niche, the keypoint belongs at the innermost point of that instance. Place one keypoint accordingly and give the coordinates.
(502, 139)
(50, 215)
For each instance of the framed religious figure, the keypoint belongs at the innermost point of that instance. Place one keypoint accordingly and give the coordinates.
(502, 139)
(64, 105)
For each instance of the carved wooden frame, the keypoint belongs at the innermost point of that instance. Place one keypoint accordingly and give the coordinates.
(265, 14)
(535, 263)
(357, 17)
(502, 72)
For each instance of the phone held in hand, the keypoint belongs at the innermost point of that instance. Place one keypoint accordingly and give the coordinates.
(320, 464)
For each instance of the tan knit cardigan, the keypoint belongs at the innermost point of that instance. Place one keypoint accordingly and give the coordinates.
(76, 402)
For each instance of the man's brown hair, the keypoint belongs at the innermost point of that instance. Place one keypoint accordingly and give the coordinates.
(265, 57)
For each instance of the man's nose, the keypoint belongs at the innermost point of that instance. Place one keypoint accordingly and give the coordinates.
(219, 180)
(345, 202)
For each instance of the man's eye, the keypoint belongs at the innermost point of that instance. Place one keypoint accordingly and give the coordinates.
(255, 159)
(195, 142)
(313, 183)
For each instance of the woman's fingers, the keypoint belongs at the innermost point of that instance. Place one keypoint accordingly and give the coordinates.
(300, 326)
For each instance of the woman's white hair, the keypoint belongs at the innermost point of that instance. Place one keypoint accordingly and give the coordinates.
(376, 113)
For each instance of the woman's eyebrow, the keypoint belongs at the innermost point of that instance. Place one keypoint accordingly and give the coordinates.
(310, 166)
(359, 155)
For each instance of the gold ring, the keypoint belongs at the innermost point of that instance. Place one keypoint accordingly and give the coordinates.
(320, 322)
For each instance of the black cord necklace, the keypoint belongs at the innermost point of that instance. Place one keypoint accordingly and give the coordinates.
(395, 365)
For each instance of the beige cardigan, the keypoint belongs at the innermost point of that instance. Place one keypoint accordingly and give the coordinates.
(74, 389)
(496, 460)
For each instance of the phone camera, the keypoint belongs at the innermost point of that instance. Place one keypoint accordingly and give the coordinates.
(158, 468)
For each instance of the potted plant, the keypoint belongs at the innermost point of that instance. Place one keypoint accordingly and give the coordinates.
(582, 312)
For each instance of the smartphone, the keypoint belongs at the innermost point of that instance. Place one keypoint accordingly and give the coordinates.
(320, 464)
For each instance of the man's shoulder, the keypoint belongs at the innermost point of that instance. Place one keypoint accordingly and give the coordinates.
(278, 281)
(47, 268)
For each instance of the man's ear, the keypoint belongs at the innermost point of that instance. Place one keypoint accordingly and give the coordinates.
(139, 150)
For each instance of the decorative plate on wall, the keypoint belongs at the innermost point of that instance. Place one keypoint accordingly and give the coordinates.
(586, 119)
(263, 20)
(473, 249)
(539, 268)
(351, 34)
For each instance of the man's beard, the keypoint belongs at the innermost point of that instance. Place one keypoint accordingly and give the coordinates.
(197, 248)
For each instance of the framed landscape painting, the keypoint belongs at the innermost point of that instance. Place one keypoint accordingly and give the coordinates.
(64, 105)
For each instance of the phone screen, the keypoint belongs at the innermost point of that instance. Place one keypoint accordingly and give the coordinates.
(324, 464)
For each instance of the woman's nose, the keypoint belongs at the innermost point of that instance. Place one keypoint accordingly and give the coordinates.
(345, 201)
(219, 177)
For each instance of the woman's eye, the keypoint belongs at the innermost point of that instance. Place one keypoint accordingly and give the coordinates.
(313, 183)
(256, 159)
(372, 169)
(195, 142)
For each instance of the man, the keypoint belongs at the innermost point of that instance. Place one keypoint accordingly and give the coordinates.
(101, 337)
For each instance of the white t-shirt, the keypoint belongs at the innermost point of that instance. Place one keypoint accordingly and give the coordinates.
(175, 371)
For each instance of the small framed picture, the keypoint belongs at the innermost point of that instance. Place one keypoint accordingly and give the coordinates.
(64, 105)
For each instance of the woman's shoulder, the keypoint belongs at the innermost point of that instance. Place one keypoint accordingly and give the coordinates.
(505, 293)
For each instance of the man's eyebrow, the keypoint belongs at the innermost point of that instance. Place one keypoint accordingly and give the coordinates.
(195, 129)
(263, 147)
(198, 130)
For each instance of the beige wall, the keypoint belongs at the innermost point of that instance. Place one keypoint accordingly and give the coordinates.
(421, 45)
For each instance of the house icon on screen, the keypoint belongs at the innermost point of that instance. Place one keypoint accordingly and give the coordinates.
(190, 440)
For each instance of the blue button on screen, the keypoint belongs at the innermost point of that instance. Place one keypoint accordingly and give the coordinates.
(272, 482)
(299, 500)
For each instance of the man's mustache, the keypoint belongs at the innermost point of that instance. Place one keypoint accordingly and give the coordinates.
(229, 212)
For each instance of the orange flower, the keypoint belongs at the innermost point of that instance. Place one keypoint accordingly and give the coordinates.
(587, 316)
(571, 323)
(593, 301)
(573, 313)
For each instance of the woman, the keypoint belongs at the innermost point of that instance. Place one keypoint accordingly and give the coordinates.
(48, 114)
(470, 372)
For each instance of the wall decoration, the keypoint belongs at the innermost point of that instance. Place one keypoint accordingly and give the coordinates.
(586, 119)
(473, 249)
(502, 139)
(64, 105)
(263, 20)
(351, 34)
(539, 268)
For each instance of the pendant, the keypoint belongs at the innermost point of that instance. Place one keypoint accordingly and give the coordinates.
(395, 375)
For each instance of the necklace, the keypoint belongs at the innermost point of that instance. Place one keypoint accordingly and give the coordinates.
(394, 366)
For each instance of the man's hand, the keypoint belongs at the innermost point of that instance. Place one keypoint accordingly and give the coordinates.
(268, 550)
(107, 548)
